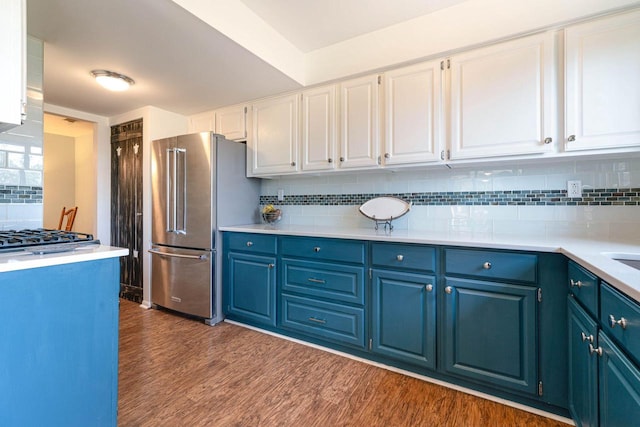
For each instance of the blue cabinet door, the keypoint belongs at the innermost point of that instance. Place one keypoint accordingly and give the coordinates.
(403, 313)
(490, 333)
(619, 387)
(251, 288)
(583, 366)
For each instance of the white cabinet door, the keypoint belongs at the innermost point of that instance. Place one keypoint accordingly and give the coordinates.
(272, 148)
(319, 128)
(413, 131)
(13, 36)
(360, 128)
(504, 99)
(603, 83)
(202, 122)
(231, 122)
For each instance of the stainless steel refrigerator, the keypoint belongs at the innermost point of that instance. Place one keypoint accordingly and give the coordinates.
(199, 184)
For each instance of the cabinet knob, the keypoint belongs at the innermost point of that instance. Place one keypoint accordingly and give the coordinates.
(586, 337)
(387, 155)
(249, 243)
(329, 160)
(293, 163)
(597, 350)
(448, 289)
(316, 249)
(399, 257)
(429, 287)
(342, 159)
(271, 265)
(575, 283)
(613, 322)
(486, 265)
(571, 138)
(548, 140)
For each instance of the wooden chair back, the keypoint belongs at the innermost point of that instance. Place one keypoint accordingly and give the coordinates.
(71, 216)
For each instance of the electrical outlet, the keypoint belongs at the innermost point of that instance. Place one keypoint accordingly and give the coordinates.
(574, 189)
(280, 195)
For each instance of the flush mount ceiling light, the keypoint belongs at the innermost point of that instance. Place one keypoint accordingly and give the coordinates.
(112, 81)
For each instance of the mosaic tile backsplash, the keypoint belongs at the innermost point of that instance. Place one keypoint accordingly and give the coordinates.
(597, 197)
(527, 199)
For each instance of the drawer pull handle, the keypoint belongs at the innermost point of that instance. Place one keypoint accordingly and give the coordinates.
(270, 265)
(575, 283)
(311, 279)
(486, 265)
(597, 350)
(399, 257)
(249, 243)
(316, 320)
(586, 337)
(448, 289)
(429, 287)
(622, 322)
(316, 249)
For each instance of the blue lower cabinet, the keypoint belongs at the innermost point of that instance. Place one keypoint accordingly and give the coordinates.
(490, 333)
(583, 366)
(59, 335)
(251, 288)
(403, 313)
(335, 322)
(619, 386)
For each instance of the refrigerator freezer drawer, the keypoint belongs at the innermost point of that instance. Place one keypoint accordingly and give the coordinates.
(181, 280)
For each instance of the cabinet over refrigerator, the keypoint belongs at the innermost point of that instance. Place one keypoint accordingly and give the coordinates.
(199, 184)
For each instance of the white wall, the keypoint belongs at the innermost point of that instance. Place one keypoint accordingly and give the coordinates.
(100, 163)
(85, 196)
(59, 181)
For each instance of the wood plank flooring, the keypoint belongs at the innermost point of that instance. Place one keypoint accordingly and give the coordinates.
(179, 372)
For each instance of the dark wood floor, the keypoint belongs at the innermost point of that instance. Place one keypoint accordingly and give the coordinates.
(179, 372)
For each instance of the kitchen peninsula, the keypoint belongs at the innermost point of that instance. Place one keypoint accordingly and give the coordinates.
(59, 363)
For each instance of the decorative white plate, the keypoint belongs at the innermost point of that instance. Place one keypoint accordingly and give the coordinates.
(384, 209)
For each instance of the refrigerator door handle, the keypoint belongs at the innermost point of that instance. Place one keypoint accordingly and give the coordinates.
(201, 257)
(170, 200)
(180, 228)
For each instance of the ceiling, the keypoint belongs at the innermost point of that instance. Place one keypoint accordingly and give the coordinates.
(191, 56)
(179, 62)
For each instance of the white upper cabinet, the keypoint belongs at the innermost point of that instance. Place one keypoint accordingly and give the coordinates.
(13, 85)
(504, 99)
(202, 122)
(319, 128)
(360, 122)
(272, 147)
(413, 131)
(231, 122)
(602, 100)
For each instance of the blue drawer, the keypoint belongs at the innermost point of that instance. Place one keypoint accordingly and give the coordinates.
(251, 243)
(584, 287)
(339, 323)
(414, 257)
(323, 249)
(320, 279)
(520, 267)
(620, 319)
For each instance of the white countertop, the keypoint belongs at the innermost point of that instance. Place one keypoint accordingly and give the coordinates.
(12, 261)
(587, 252)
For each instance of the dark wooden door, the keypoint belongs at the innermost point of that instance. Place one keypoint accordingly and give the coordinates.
(126, 204)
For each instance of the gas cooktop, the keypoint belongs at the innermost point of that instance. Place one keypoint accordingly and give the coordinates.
(41, 240)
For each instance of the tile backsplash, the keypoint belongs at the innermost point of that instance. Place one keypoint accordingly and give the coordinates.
(526, 198)
(21, 156)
